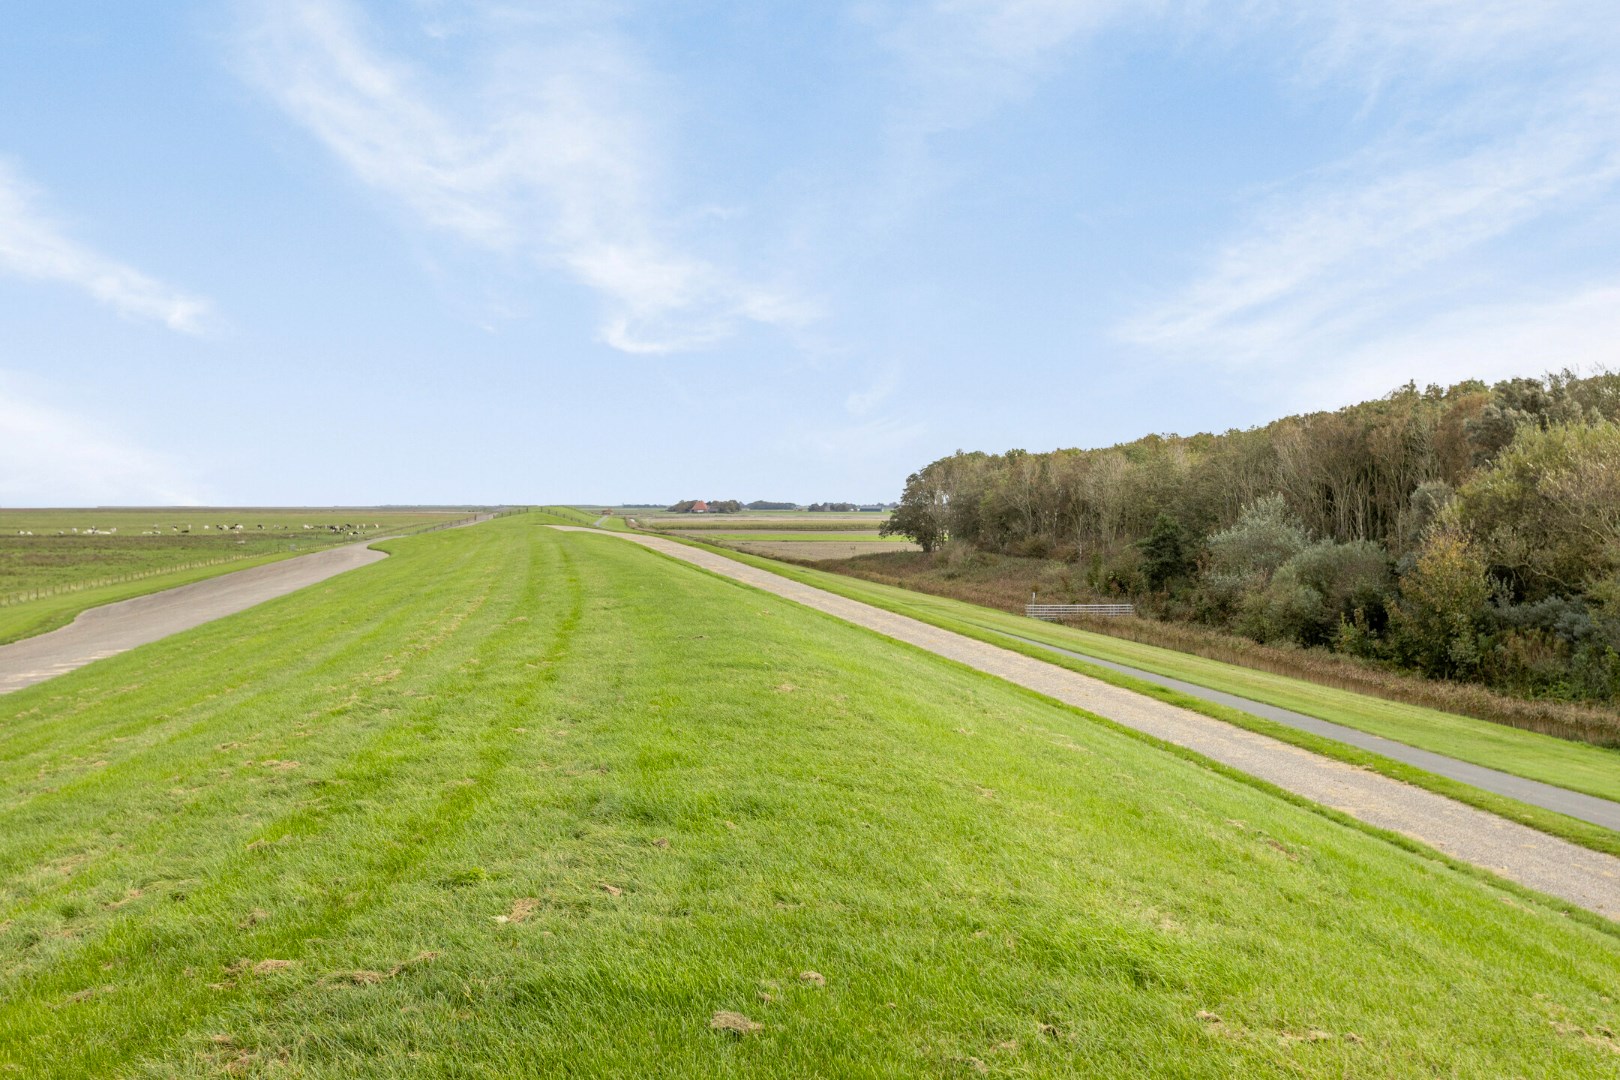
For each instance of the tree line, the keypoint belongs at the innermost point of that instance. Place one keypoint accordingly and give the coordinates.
(1468, 532)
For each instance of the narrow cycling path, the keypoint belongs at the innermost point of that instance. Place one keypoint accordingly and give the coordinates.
(1576, 804)
(115, 628)
(1587, 878)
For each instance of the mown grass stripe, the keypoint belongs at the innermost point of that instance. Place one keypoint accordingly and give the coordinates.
(975, 874)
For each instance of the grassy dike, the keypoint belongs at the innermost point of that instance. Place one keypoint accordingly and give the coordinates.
(519, 802)
(33, 617)
(1576, 766)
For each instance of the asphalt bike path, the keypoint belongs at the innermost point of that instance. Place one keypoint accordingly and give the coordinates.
(1591, 808)
(108, 630)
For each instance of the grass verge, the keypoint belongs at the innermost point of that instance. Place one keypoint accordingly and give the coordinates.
(516, 802)
(1576, 766)
(49, 612)
(18, 621)
(1005, 582)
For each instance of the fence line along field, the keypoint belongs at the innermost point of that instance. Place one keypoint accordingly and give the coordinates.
(515, 802)
(56, 563)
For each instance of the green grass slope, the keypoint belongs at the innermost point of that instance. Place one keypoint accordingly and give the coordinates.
(1577, 766)
(566, 515)
(516, 802)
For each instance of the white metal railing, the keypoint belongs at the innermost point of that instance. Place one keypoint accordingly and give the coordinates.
(1054, 612)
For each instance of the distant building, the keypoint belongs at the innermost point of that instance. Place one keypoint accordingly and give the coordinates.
(700, 507)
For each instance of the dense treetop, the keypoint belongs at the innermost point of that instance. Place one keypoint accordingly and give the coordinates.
(1468, 531)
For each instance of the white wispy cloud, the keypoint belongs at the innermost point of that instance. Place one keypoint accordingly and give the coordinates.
(50, 457)
(1376, 43)
(1494, 117)
(1344, 250)
(549, 157)
(856, 442)
(865, 401)
(34, 246)
(964, 59)
(1504, 116)
(1495, 341)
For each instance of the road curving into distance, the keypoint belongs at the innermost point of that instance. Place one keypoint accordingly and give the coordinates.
(114, 628)
(1534, 859)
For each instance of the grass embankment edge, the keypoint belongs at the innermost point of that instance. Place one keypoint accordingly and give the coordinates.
(1582, 833)
(53, 616)
(76, 603)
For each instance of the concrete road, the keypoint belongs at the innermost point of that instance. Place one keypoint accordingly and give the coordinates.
(1557, 867)
(115, 628)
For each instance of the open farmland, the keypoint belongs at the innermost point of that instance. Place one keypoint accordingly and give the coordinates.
(56, 563)
(798, 535)
(764, 520)
(803, 536)
(517, 802)
(806, 545)
(814, 551)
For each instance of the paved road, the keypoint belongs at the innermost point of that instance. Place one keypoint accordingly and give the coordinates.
(114, 628)
(1586, 807)
(1535, 859)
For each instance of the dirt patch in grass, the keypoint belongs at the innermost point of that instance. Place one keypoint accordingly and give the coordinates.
(734, 1022)
(522, 909)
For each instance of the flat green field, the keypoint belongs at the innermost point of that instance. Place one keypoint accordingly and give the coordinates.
(56, 563)
(519, 803)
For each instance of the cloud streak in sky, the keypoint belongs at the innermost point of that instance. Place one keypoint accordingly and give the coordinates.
(964, 59)
(35, 247)
(1359, 242)
(1496, 341)
(1504, 116)
(551, 158)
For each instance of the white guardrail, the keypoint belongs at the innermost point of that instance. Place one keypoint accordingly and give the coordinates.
(1054, 612)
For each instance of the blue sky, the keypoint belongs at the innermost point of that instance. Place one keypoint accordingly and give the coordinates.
(322, 251)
